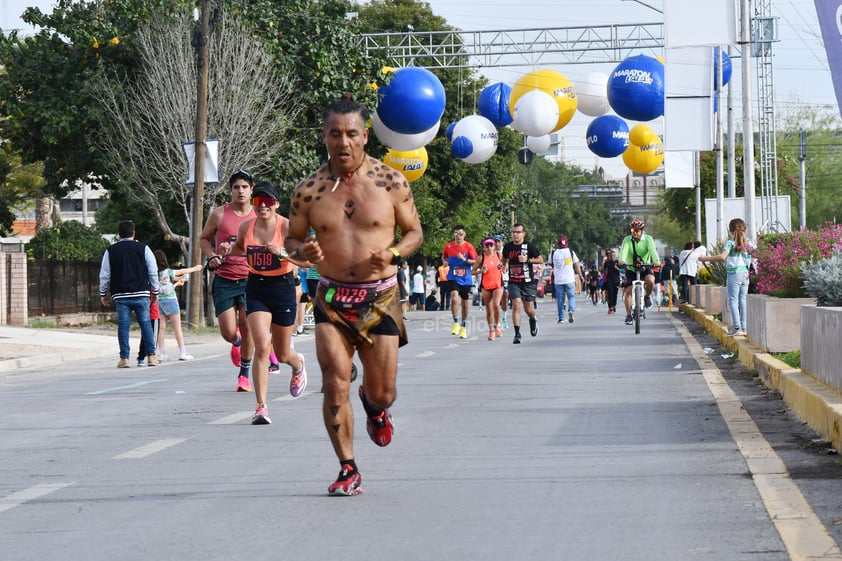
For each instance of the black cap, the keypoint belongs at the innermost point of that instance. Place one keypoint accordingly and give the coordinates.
(240, 174)
(266, 188)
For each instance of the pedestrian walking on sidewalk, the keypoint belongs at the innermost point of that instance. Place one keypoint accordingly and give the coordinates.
(566, 270)
(130, 274)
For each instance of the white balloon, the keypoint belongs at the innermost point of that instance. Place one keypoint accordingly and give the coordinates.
(402, 142)
(536, 113)
(592, 93)
(483, 136)
(538, 144)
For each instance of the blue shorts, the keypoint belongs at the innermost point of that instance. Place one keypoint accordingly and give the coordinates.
(168, 306)
(275, 295)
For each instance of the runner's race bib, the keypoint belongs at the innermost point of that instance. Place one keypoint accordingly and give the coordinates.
(261, 260)
(350, 300)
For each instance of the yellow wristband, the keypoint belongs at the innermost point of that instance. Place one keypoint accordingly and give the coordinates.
(397, 255)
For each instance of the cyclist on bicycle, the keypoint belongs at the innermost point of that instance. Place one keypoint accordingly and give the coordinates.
(638, 252)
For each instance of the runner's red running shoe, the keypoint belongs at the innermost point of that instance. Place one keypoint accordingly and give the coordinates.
(380, 427)
(349, 483)
(235, 351)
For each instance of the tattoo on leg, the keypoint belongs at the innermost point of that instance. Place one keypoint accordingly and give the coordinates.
(334, 410)
(335, 428)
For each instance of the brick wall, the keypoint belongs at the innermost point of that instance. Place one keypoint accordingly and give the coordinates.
(14, 286)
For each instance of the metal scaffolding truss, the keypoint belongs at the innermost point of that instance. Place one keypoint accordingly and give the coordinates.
(518, 47)
(764, 33)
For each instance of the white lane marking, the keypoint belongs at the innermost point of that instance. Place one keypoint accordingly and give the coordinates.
(233, 418)
(240, 416)
(425, 354)
(451, 346)
(149, 449)
(127, 387)
(287, 397)
(803, 534)
(30, 494)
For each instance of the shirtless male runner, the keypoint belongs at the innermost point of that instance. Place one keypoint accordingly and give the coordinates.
(355, 204)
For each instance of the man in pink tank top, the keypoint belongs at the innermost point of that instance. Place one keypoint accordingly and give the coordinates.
(231, 272)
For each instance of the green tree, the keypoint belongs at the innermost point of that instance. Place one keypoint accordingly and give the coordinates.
(50, 112)
(824, 160)
(68, 241)
(19, 184)
(319, 46)
(151, 116)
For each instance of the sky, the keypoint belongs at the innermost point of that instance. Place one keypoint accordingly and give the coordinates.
(801, 73)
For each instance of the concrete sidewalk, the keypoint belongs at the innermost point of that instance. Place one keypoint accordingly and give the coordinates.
(22, 347)
(815, 403)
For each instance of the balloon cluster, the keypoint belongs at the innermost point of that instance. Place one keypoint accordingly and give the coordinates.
(635, 91)
(646, 150)
(539, 103)
(408, 117)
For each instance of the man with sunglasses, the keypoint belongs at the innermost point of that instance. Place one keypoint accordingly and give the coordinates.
(356, 204)
(230, 272)
(638, 251)
(460, 255)
(519, 256)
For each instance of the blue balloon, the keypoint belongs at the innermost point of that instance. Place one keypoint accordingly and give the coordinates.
(448, 132)
(608, 136)
(726, 68)
(412, 102)
(461, 147)
(636, 88)
(493, 104)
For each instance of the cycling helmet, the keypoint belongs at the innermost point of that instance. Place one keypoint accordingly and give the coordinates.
(638, 224)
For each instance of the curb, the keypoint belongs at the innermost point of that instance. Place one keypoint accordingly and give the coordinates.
(815, 403)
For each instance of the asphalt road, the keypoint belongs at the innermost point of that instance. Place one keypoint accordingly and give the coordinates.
(586, 442)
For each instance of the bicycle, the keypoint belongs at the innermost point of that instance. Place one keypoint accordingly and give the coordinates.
(638, 305)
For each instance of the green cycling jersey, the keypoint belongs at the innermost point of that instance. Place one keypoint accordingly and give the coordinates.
(645, 249)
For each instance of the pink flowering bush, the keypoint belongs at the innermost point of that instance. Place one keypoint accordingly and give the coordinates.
(780, 256)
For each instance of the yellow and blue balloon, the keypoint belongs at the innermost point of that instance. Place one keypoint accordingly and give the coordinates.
(412, 163)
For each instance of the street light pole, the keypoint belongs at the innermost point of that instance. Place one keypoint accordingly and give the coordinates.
(200, 43)
(748, 130)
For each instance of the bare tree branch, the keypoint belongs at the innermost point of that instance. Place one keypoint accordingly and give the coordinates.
(250, 109)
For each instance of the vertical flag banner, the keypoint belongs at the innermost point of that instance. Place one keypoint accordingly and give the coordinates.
(211, 161)
(829, 13)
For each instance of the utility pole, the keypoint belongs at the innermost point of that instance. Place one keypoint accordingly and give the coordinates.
(748, 130)
(802, 207)
(200, 43)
